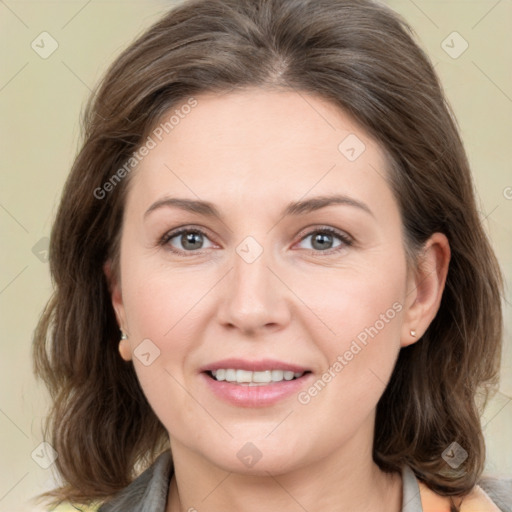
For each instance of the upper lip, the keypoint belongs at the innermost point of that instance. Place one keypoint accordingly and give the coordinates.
(254, 366)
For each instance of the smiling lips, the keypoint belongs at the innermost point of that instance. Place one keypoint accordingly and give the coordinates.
(254, 383)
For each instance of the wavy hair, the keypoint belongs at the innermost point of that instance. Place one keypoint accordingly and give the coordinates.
(363, 58)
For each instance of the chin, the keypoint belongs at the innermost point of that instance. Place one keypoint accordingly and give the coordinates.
(258, 457)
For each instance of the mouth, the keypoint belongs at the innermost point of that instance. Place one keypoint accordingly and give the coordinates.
(255, 388)
(254, 383)
(254, 378)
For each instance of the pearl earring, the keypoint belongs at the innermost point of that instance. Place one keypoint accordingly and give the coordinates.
(124, 350)
(413, 333)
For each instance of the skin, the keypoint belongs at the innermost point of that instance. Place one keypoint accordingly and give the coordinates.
(250, 153)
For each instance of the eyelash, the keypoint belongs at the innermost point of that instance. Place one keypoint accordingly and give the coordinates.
(345, 239)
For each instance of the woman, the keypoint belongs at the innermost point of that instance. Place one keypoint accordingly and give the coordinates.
(272, 286)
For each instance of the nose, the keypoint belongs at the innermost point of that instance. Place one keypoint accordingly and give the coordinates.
(253, 297)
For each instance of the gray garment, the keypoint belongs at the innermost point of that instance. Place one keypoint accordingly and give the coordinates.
(148, 492)
(499, 490)
(411, 501)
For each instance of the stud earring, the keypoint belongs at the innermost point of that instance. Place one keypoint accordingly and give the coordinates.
(123, 336)
(413, 333)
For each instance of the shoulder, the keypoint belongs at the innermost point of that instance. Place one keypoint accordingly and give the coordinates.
(498, 498)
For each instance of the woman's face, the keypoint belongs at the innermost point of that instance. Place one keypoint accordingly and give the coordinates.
(291, 251)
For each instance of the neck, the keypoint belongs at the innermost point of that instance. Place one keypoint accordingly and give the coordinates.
(346, 480)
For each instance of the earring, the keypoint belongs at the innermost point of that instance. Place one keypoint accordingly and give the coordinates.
(123, 347)
(413, 333)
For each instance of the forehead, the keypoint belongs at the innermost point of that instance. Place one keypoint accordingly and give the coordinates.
(254, 141)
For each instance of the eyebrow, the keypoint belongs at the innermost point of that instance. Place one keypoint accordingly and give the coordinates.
(296, 208)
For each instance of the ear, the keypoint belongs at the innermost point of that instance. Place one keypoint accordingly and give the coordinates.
(116, 297)
(425, 286)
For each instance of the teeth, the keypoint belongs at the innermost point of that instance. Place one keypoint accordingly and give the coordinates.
(253, 378)
(277, 375)
(264, 377)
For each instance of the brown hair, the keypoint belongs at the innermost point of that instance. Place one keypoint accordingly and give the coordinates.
(362, 57)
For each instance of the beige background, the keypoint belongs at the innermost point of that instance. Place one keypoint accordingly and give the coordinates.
(40, 103)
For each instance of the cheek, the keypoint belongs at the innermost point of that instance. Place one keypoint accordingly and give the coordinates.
(159, 300)
(169, 308)
(160, 307)
(364, 315)
(357, 304)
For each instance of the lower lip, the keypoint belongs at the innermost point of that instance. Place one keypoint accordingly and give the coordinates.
(255, 396)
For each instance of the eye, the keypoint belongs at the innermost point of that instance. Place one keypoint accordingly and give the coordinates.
(323, 240)
(185, 240)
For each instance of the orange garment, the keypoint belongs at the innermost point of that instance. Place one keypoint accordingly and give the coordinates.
(476, 501)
